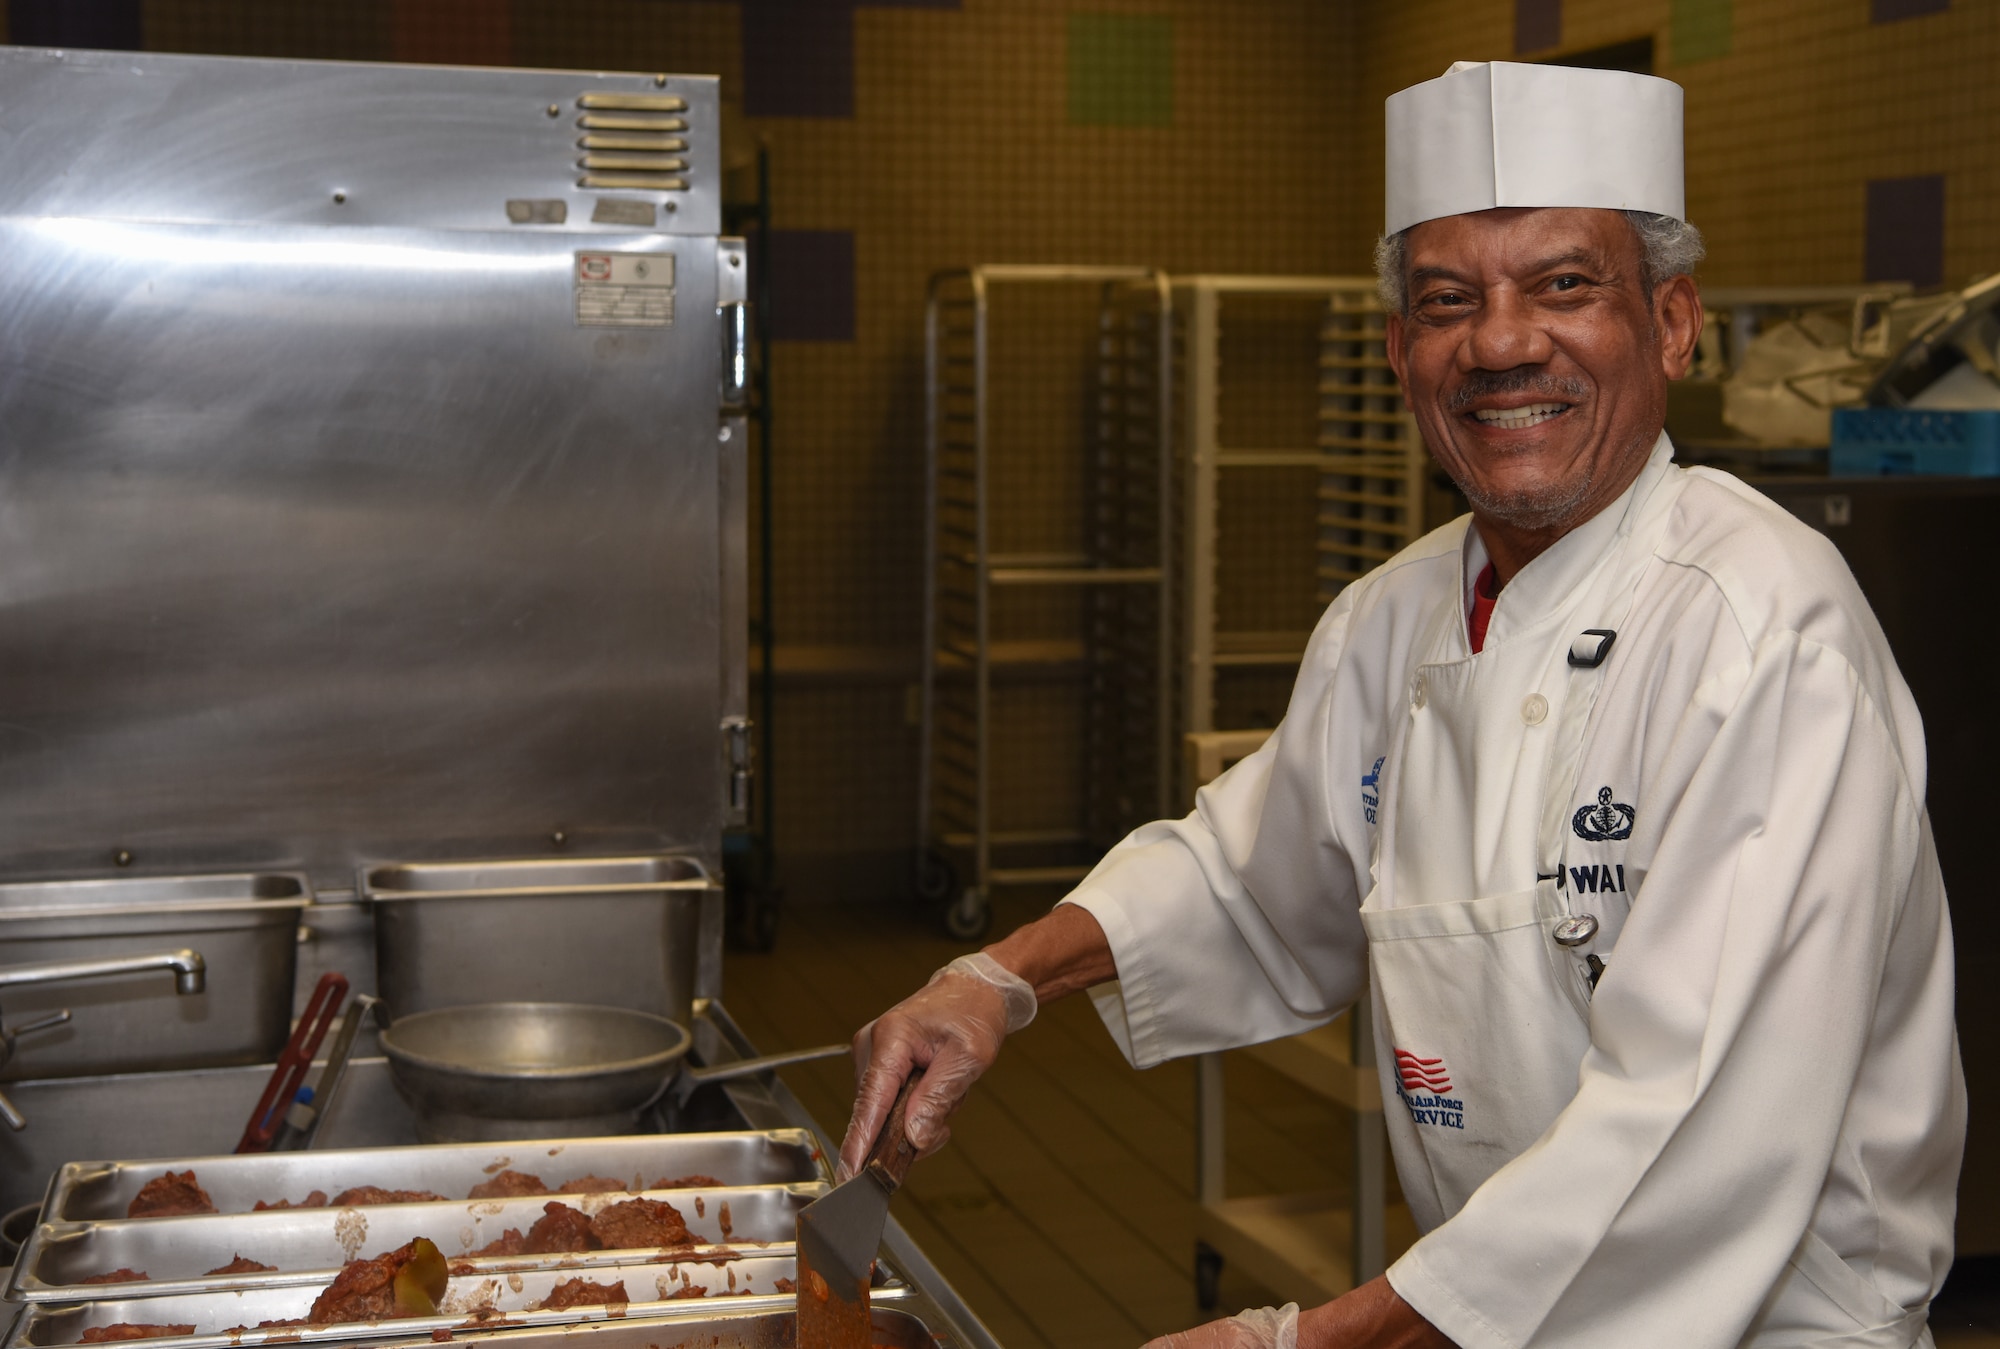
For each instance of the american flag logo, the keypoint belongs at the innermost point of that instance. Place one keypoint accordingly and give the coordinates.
(1422, 1074)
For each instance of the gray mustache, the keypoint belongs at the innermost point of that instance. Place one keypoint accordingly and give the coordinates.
(1524, 379)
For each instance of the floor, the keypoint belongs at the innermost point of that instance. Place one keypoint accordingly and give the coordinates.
(1063, 1209)
(1966, 1314)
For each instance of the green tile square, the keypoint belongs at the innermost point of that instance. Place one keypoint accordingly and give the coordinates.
(1121, 70)
(1700, 30)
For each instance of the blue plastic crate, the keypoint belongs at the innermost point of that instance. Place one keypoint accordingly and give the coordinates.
(1872, 441)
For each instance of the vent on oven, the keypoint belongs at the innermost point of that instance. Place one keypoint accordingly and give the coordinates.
(633, 141)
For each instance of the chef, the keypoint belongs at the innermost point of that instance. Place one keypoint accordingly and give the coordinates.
(1609, 797)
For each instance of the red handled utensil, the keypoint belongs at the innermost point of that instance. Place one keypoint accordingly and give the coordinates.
(293, 1064)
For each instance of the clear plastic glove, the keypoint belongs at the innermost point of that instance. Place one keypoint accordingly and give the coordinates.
(952, 1028)
(1258, 1328)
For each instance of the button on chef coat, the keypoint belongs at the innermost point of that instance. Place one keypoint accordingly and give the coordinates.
(1763, 1142)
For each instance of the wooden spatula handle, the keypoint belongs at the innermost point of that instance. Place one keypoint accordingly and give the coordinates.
(893, 1152)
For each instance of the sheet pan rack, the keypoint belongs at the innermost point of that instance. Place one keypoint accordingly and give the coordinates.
(1117, 575)
(1369, 461)
(1365, 450)
(1371, 458)
(1306, 1246)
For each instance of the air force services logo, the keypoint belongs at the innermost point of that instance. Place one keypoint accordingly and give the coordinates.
(1605, 822)
(1424, 1085)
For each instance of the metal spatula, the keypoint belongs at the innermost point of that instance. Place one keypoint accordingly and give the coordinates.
(838, 1236)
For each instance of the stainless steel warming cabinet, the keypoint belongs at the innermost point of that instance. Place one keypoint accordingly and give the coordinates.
(367, 487)
(371, 543)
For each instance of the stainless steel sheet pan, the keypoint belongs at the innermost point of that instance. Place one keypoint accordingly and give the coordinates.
(101, 1190)
(309, 1246)
(657, 1288)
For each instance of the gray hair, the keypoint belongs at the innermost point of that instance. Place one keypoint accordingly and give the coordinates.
(1667, 247)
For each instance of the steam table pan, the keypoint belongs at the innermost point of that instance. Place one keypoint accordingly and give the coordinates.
(725, 1326)
(660, 1287)
(103, 1190)
(309, 1245)
(244, 924)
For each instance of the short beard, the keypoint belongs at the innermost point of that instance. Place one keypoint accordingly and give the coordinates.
(1553, 507)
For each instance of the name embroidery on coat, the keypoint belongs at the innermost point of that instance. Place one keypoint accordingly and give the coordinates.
(1422, 1083)
(1601, 879)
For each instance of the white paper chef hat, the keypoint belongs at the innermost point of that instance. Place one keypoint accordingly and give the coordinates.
(1503, 133)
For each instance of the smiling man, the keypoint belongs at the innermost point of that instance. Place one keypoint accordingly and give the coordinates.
(1609, 797)
(1537, 345)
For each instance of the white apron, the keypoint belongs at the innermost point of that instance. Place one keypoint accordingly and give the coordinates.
(1482, 1005)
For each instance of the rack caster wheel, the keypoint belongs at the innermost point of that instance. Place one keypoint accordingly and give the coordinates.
(1207, 1275)
(933, 877)
(969, 917)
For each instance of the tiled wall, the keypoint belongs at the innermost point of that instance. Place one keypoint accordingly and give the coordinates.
(1194, 135)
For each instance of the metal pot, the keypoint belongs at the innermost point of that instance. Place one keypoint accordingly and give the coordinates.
(501, 1070)
(245, 925)
(448, 934)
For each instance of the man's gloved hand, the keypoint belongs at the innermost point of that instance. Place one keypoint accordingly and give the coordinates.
(1258, 1328)
(952, 1028)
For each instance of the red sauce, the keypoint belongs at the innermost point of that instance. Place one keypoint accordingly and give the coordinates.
(826, 1321)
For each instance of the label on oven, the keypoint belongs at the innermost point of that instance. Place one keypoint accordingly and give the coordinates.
(625, 290)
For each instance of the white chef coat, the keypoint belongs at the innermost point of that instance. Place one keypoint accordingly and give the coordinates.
(1770, 1051)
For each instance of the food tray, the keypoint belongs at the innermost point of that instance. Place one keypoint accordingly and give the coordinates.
(309, 1245)
(103, 1190)
(213, 1315)
(742, 1326)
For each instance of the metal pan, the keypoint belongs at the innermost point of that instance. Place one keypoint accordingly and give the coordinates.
(511, 1069)
(723, 1326)
(450, 933)
(652, 1285)
(309, 1246)
(99, 1190)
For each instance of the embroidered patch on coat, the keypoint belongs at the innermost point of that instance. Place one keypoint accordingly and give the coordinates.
(1371, 790)
(1605, 822)
(1423, 1084)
